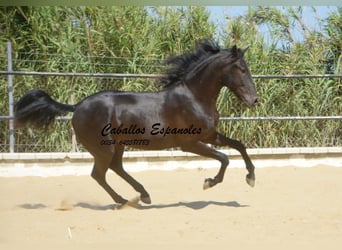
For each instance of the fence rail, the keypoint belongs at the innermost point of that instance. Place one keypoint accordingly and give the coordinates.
(281, 118)
(259, 118)
(120, 76)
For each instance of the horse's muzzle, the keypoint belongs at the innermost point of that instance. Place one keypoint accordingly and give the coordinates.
(251, 101)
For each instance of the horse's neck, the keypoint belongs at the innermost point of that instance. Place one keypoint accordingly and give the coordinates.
(196, 100)
(206, 90)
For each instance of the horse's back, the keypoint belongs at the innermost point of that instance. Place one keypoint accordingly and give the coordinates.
(112, 109)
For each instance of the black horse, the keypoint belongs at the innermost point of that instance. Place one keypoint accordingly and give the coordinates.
(183, 114)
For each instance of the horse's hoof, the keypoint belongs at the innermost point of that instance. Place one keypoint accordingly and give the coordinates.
(131, 203)
(146, 199)
(208, 183)
(250, 181)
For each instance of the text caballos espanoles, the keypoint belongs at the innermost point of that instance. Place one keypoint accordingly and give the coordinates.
(156, 129)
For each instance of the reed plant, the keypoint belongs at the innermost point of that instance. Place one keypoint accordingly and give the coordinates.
(130, 39)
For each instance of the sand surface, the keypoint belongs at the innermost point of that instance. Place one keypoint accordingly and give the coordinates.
(289, 208)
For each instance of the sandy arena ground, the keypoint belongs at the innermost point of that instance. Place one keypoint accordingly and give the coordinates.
(289, 208)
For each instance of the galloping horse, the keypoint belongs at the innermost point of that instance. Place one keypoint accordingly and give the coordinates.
(183, 114)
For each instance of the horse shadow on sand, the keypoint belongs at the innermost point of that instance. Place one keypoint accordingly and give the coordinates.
(195, 205)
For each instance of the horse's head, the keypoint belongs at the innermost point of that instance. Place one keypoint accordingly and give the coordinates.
(208, 62)
(237, 77)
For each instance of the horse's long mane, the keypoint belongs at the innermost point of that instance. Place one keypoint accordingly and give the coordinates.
(185, 64)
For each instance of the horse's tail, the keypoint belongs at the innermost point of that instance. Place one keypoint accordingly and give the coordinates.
(37, 109)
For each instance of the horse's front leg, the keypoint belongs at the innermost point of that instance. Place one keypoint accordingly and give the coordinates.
(203, 149)
(221, 140)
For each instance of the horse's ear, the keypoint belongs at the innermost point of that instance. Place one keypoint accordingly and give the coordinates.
(234, 51)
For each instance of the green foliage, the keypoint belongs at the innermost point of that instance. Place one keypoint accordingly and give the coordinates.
(129, 39)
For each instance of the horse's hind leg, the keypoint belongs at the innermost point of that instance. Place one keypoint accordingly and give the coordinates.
(99, 174)
(116, 166)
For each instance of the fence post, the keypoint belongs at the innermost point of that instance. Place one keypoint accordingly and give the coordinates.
(10, 97)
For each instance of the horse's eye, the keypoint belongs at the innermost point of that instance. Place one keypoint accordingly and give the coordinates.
(243, 70)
